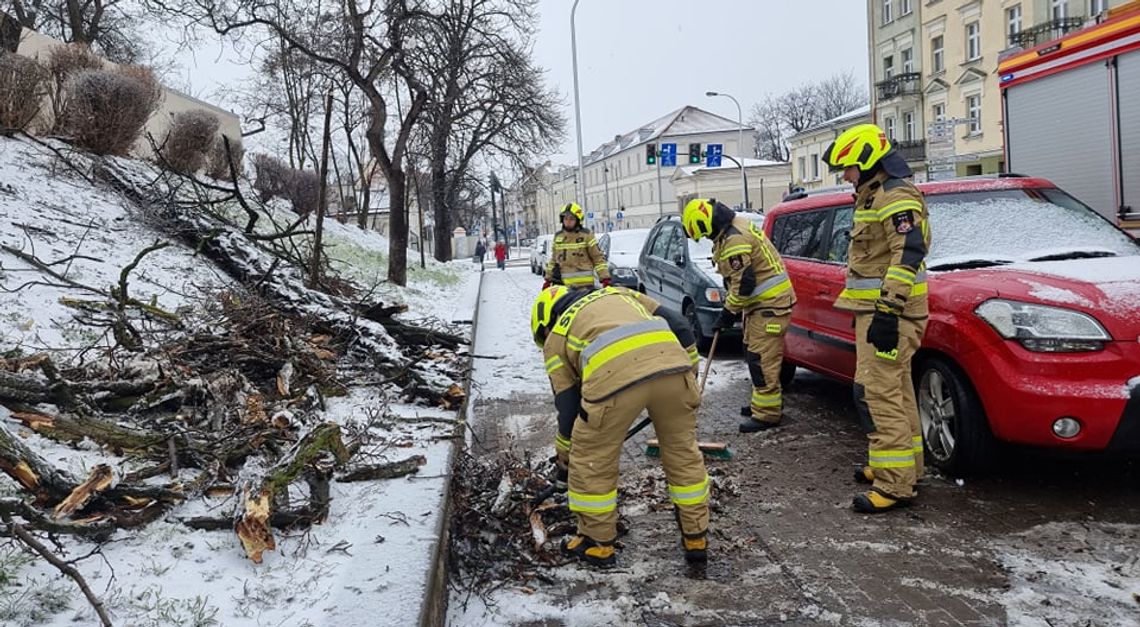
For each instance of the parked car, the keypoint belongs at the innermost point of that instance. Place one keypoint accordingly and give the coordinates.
(680, 273)
(622, 249)
(1034, 316)
(540, 253)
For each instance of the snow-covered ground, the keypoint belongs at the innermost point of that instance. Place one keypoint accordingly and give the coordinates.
(368, 564)
(507, 361)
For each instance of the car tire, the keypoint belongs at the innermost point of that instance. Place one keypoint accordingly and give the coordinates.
(703, 341)
(955, 431)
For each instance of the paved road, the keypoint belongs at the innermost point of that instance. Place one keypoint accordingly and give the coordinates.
(1040, 542)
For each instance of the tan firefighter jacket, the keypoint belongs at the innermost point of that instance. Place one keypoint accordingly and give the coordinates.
(886, 256)
(754, 274)
(578, 257)
(610, 340)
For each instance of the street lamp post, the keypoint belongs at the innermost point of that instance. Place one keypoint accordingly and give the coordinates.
(606, 182)
(577, 107)
(740, 121)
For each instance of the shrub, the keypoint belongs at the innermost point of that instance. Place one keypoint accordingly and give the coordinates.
(64, 62)
(272, 177)
(22, 87)
(105, 111)
(216, 165)
(190, 138)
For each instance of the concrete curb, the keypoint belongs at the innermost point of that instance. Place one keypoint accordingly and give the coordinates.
(433, 612)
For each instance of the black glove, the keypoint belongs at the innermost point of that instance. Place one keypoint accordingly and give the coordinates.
(559, 478)
(726, 320)
(884, 331)
(556, 274)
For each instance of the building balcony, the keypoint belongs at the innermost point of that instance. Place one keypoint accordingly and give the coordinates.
(911, 149)
(1046, 31)
(909, 83)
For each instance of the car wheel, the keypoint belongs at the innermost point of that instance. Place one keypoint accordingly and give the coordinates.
(787, 374)
(955, 431)
(703, 341)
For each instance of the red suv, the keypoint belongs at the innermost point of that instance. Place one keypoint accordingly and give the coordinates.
(1034, 334)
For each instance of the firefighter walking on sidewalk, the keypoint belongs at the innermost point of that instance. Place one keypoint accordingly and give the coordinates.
(574, 254)
(610, 354)
(758, 287)
(886, 288)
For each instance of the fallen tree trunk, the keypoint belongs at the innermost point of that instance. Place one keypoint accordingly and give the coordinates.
(34, 474)
(384, 471)
(255, 510)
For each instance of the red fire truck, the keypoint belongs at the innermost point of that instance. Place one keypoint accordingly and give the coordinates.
(1071, 111)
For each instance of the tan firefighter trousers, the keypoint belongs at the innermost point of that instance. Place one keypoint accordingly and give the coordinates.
(895, 449)
(672, 402)
(764, 340)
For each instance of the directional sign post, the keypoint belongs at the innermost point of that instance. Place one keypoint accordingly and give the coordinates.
(669, 155)
(712, 155)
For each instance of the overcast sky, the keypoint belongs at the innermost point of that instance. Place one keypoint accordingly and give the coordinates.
(641, 59)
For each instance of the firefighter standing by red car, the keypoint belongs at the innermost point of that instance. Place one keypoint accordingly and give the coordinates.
(574, 255)
(886, 288)
(759, 288)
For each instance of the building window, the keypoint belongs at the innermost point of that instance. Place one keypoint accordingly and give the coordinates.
(888, 67)
(887, 17)
(936, 54)
(974, 112)
(1013, 21)
(814, 167)
(908, 126)
(890, 124)
(904, 7)
(973, 41)
(1096, 7)
(1060, 9)
(908, 60)
(938, 112)
(803, 169)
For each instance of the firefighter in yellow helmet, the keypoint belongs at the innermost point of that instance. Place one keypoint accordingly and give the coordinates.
(610, 354)
(759, 288)
(886, 288)
(574, 255)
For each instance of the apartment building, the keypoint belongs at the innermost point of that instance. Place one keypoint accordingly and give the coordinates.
(897, 74)
(934, 69)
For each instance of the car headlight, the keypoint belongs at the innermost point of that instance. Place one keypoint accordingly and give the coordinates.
(623, 273)
(1044, 329)
(713, 295)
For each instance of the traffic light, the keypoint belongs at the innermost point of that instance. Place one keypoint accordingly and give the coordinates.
(651, 154)
(694, 153)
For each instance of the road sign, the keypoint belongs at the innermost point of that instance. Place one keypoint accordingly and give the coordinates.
(712, 155)
(619, 216)
(590, 215)
(668, 155)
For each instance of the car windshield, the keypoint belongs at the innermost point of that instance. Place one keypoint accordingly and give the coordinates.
(627, 242)
(996, 227)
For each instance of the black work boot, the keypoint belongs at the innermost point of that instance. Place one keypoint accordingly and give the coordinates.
(865, 475)
(746, 412)
(589, 551)
(875, 502)
(751, 425)
(696, 548)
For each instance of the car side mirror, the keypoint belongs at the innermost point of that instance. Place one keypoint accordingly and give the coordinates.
(679, 260)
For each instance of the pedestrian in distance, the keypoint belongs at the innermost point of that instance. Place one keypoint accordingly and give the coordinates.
(574, 255)
(610, 354)
(886, 289)
(501, 254)
(758, 288)
(480, 253)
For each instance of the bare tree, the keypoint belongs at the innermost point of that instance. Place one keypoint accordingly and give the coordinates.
(360, 41)
(487, 98)
(110, 26)
(779, 117)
